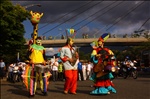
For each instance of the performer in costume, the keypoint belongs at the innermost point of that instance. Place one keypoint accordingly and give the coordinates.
(70, 59)
(103, 66)
(31, 76)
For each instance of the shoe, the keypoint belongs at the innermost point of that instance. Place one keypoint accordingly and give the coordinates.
(108, 93)
(44, 93)
(31, 96)
(65, 92)
(74, 93)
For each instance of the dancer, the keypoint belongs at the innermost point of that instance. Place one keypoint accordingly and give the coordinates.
(70, 59)
(36, 70)
(103, 66)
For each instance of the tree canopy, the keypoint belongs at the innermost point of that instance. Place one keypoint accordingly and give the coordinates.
(12, 30)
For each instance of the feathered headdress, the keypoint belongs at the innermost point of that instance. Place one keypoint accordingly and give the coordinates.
(102, 38)
(70, 32)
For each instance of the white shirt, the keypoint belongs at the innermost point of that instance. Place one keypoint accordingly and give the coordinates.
(89, 67)
(54, 66)
(10, 68)
(2, 64)
(65, 51)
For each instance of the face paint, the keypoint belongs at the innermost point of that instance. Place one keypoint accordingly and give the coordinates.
(100, 43)
(38, 41)
(71, 42)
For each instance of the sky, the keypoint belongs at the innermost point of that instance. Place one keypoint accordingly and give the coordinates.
(87, 16)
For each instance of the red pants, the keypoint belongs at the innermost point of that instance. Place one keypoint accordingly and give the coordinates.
(71, 80)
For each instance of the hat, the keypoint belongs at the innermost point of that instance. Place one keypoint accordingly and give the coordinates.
(103, 37)
(70, 33)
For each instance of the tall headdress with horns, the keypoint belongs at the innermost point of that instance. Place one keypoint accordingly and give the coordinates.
(102, 38)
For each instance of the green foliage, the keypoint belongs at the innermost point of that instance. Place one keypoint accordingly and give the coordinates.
(133, 52)
(12, 30)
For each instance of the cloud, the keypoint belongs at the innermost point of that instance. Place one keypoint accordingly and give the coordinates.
(85, 29)
(129, 29)
(107, 15)
(50, 51)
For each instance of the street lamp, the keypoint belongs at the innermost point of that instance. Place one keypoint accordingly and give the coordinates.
(32, 5)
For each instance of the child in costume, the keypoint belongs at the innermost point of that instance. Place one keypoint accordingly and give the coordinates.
(103, 66)
(31, 76)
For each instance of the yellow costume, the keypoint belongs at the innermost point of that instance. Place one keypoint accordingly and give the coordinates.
(33, 74)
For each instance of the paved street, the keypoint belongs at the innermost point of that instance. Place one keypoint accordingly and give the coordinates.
(126, 89)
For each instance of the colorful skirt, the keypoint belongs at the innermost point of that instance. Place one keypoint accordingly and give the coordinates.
(27, 76)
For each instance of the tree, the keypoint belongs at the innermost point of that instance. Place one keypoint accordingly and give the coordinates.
(134, 52)
(146, 34)
(12, 30)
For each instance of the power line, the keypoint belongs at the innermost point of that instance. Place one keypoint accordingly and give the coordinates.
(71, 18)
(100, 15)
(144, 24)
(114, 20)
(88, 17)
(65, 15)
(125, 15)
(93, 14)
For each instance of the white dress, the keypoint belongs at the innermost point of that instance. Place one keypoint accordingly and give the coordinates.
(84, 71)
